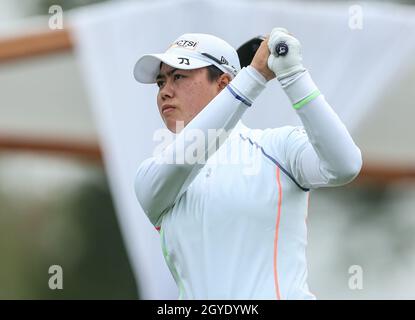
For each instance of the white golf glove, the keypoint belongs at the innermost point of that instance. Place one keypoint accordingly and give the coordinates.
(285, 59)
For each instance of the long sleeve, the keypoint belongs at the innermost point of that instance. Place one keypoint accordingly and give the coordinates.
(322, 153)
(159, 181)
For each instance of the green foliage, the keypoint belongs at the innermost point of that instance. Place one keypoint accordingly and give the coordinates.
(74, 228)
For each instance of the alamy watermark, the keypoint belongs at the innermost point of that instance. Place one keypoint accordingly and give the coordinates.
(195, 146)
(356, 278)
(56, 280)
(356, 17)
(56, 20)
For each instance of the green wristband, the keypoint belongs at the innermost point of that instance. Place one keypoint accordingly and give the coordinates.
(307, 99)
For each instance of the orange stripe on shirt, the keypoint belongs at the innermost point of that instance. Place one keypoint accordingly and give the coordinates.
(277, 287)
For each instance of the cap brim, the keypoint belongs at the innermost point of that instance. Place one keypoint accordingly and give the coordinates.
(147, 67)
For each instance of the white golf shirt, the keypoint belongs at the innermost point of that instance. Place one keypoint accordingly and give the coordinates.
(234, 226)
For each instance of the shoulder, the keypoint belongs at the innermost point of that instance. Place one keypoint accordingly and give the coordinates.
(275, 138)
(284, 136)
(279, 142)
(271, 136)
(283, 132)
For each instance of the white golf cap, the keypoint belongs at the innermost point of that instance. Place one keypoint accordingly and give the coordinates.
(189, 51)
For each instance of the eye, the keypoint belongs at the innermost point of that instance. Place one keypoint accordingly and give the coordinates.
(160, 83)
(177, 76)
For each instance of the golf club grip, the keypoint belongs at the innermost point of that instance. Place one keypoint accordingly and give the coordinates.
(246, 51)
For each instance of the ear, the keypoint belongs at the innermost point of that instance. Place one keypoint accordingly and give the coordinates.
(223, 81)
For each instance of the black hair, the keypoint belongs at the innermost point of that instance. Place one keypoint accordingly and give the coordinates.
(214, 73)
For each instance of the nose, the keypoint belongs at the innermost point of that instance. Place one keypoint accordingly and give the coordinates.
(166, 91)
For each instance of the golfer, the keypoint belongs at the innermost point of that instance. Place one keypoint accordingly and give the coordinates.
(237, 229)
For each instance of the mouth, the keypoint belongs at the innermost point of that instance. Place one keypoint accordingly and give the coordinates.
(167, 108)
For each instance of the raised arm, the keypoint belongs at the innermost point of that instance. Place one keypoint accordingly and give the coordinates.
(324, 154)
(160, 183)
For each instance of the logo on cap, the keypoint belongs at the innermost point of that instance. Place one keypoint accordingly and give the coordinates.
(223, 60)
(184, 61)
(187, 44)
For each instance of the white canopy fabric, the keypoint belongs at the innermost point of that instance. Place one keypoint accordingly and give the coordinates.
(353, 54)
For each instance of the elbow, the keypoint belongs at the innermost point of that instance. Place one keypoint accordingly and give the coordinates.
(140, 193)
(143, 186)
(156, 190)
(347, 171)
(145, 200)
(350, 169)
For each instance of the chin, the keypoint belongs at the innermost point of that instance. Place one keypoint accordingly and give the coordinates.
(171, 126)
(174, 125)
